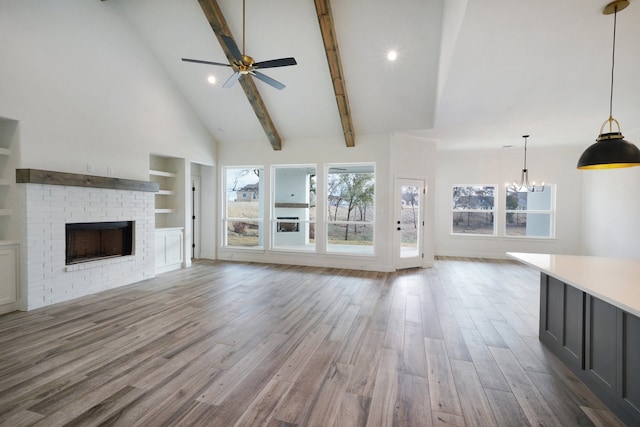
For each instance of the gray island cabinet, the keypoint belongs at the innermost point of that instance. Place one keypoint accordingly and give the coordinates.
(590, 319)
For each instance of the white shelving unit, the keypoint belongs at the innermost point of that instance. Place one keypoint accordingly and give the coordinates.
(164, 171)
(8, 200)
(9, 244)
(168, 172)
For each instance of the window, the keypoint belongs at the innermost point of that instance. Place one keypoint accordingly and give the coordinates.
(350, 208)
(243, 210)
(529, 214)
(473, 210)
(294, 208)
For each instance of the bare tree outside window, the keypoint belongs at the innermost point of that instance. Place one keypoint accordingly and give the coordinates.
(350, 206)
(473, 210)
(410, 198)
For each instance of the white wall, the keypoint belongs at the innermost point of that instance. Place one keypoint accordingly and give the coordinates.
(611, 223)
(416, 158)
(86, 90)
(557, 166)
(207, 213)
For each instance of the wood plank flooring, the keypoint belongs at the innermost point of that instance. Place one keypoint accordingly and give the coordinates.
(224, 344)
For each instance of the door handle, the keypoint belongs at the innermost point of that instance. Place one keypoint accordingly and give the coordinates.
(399, 228)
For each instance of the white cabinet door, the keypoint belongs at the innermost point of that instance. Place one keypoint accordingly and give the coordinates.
(174, 247)
(168, 249)
(8, 275)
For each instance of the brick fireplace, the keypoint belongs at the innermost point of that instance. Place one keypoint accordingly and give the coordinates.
(53, 200)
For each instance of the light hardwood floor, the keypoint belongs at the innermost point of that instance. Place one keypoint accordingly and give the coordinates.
(223, 344)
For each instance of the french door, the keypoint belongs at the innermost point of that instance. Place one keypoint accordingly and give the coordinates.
(408, 223)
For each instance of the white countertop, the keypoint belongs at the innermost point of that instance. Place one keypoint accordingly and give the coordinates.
(614, 280)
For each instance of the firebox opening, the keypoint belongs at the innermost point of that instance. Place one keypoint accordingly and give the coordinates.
(290, 224)
(89, 241)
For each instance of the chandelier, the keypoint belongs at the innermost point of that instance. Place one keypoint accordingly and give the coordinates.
(524, 185)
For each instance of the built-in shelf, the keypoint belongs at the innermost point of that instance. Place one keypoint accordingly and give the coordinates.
(5, 152)
(168, 173)
(292, 205)
(162, 173)
(165, 211)
(5, 212)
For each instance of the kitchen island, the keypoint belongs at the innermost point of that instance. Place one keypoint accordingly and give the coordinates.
(590, 318)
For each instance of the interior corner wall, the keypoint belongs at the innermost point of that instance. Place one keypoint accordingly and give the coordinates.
(208, 212)
(415, 158)
(496, 167)
(87, 91)
(610, 209)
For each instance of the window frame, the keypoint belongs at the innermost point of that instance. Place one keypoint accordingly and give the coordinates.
(494, 210)
(551, 212)
(309, 247)
(330, 248)
(226, 220)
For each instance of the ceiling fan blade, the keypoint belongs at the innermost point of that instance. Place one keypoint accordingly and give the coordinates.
(268, 80)
(232, 46)
(282, 62)
(198, 61)
(231, 80)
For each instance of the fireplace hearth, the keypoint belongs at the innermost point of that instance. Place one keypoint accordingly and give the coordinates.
(90, 241)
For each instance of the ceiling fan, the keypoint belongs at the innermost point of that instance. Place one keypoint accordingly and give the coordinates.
(243, 64)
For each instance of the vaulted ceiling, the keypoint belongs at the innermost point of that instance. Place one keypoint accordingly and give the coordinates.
(469, 74)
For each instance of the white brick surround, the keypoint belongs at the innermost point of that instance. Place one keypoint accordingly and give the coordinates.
(45, 278)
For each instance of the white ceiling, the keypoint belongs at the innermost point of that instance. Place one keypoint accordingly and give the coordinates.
(469, 75)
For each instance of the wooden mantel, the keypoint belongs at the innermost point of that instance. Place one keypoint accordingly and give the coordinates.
(291, 205)
(37, 176)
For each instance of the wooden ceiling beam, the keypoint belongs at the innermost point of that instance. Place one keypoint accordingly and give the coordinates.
(325, 19)
(219, 26)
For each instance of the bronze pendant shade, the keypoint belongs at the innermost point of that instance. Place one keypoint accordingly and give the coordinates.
(611, 149)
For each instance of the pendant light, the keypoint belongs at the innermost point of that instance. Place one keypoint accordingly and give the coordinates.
(524, 185)
(611, 149)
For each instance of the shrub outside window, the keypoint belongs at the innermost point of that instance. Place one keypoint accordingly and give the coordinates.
(529, 214)
(243, 210)
(351, 208)
(473, 210)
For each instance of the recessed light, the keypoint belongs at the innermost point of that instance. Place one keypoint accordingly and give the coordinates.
(211, 79)
(392, 55)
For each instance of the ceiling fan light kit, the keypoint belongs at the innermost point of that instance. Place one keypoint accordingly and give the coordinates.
(611, 150)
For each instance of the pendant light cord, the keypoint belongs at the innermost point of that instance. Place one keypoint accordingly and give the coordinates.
(243, 32)
(613, 65)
